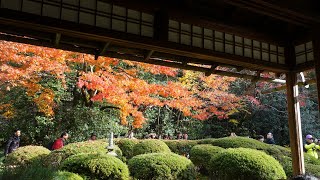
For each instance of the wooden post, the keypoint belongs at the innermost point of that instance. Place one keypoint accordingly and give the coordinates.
(161, 25)
(296, 143)
(316, 53)
(294, 118)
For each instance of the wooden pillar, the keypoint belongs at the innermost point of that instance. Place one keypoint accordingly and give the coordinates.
(316, 53)
(296, 143)
(161, 25)
(294, 118)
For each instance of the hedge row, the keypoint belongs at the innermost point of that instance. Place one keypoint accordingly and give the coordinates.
(201, 155)
(181, 147)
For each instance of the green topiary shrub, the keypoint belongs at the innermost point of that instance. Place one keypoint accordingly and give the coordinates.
(34, 171)
(244, 164)
(313, 169)
(312, 165)
(200, 155)
(181, 147)
(126, 146)
(65, 175)
(161, 166)
(206, 141)
(26, 155)
(278, 152)
(150, 146)
(56, 157)
(287, 165)
(237, 142)
(97, 166)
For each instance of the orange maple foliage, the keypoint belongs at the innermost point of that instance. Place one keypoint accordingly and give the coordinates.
(195, 95)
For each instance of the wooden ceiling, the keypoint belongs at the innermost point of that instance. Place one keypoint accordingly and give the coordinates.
(283, 24)
(271, 20)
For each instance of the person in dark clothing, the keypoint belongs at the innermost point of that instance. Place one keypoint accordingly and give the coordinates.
(13, 143)
(93, 137)
(270, 139)
(260, 138)
(59, 143)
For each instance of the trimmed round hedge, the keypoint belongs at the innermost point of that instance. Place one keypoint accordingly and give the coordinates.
(55, 158)
(206, 141)
(97, 166)
(200, 155)
(126, 146)
(181, 147)
(244, 164)
(26, 155)
(237, 142)
(150, 146)
(65, 175)
(161, 166)
(313, 169)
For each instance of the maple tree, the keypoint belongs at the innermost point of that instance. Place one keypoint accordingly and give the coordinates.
(112, 83)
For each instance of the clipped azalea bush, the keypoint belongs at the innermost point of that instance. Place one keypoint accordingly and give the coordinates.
(313, 169)
(200, 155)
(287, 166)
(126, 146)
(181, 147)
(237, 142)
(161, 166)
(96, 166)
(65, 175)
(206, 141)
(150, 146)
(243, 164)
(55, 158)
(26, 155)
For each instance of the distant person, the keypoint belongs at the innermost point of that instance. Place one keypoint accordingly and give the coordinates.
(260, 138)
(13, 142)
(59, 143)
(233, 134)
(165, 137)
(310, 147)
(131, 135)
(270, 139)
(93, 137)
(185, 136)
(179, 136)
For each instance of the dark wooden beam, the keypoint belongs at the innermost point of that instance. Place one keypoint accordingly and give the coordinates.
(161, 25)
(276, 11)
(316, 53)
(304, 66)
(141, 58)
(93, 34)
(280, 88)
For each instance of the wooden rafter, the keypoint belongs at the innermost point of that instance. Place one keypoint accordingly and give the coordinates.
(132, 41)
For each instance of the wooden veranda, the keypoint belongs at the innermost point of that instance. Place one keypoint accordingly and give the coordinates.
(259, 35)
